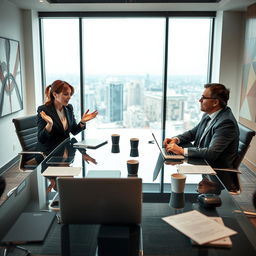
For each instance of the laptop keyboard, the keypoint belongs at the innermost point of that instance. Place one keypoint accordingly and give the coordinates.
(169, 153)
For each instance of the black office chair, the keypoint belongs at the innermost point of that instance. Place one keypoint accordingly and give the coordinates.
(26, 129)
(231, 180)
(245, 137)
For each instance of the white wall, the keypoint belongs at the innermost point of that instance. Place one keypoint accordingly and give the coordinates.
(228, 54)
(22, 26)
(10, 27)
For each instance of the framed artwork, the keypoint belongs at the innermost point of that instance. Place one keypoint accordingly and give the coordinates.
(248, 93)
(11, 99)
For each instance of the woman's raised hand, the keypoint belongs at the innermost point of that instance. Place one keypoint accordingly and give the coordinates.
(89, 116)
(46, 118)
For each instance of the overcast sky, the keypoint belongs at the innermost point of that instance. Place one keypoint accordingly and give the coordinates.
(127, 46)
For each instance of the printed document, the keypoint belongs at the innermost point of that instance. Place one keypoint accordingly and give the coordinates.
(223, 242)
(195, 169)
(198, 227)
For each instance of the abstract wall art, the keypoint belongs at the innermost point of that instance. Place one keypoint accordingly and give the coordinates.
(248, 94)
(11, 99)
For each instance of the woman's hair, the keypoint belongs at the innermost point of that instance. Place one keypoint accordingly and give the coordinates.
(57, 86)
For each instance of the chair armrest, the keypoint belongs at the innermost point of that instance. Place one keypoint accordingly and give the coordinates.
(226, 170)
(32, 152)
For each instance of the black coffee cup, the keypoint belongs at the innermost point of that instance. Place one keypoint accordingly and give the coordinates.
(132, 167)
(134, 143)
(134, 152)
(115, 148)
(115, 139)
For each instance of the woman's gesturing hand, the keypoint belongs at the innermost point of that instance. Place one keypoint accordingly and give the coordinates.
(88, 116)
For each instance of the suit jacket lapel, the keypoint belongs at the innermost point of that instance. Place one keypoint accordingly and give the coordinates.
(56, 119)
(68, 117)
(212, 123)
(200, 130)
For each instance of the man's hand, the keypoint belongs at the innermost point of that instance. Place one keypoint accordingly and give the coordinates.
(170, 140)
(172, 147)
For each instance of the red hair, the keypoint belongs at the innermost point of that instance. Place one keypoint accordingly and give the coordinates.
(57, 86)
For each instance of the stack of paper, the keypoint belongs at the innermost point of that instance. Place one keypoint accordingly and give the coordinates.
(223, 242)
(195, 169)
(199, 227)
(55, 171)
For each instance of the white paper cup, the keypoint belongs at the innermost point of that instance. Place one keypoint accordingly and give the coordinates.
(178, 182)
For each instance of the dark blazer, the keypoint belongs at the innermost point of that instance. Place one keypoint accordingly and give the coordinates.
(219, 145)
(47, 141)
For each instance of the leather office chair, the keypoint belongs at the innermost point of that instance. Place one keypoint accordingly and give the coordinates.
(245, 137)
(26, 129)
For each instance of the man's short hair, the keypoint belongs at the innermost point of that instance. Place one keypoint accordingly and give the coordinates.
(220, 92)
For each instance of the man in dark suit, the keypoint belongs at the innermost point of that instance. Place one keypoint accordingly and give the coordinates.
(216, 137)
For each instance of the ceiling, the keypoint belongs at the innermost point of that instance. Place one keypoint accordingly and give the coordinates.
(133, 5)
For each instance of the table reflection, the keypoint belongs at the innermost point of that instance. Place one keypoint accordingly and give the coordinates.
(101, 240)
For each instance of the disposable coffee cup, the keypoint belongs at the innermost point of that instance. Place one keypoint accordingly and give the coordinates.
(115, 139)
(178, 182)
(134, 152)
(177, 200)
(134, 143)
(132, 167)
(115, 148)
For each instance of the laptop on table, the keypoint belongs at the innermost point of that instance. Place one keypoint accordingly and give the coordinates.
(100, 200)
(166, 155)
(29, 227)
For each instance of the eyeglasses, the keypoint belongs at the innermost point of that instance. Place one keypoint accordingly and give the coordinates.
(207, 98)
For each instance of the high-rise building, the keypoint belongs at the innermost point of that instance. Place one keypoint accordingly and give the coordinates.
(89, 100)
(175, 106)
(115, 102)
(134, 94)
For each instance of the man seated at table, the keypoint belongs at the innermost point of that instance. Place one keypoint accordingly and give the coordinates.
(216, 137)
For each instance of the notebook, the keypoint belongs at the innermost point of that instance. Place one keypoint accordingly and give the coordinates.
(100, 200)
(166, 155)
(90, 143)
(29, 227)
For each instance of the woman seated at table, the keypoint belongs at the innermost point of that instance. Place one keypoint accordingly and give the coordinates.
(56, 117)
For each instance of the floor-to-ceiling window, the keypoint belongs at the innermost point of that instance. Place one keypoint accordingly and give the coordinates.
(123, 70)
(188, 70)
(61, 54)
(130, 68)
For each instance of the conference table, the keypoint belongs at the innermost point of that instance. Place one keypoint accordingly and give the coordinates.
(154, 236)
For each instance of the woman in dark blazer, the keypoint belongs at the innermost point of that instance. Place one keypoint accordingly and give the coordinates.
(55, 119)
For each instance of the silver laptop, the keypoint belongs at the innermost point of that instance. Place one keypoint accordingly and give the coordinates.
(166, 155)
(90, 143)
(100, 200)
